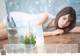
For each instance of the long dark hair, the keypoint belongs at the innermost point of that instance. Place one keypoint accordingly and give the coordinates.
(64, 11)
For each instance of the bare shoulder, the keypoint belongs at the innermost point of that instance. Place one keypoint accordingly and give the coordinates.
(42, 17)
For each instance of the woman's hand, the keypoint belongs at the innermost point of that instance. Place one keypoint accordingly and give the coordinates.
(58, 31)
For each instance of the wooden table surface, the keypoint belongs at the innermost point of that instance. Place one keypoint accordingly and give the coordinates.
(69, 38)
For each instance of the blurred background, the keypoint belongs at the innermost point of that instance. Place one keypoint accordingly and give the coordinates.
(37, 6)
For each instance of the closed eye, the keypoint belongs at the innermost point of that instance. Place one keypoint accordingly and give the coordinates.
(64, 18)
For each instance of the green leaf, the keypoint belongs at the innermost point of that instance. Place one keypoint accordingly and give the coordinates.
(28, 39)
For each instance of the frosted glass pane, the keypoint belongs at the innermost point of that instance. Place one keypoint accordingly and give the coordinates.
(29, 6)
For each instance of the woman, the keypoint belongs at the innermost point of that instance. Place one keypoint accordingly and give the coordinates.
(64, 21)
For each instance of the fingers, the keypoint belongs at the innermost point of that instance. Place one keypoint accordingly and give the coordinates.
(60, 31)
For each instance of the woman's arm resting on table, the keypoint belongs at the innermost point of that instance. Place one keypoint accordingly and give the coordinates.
(55, 32)
(76, 29)
(3, 32)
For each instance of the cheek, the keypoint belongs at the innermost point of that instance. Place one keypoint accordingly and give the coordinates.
(59, 21)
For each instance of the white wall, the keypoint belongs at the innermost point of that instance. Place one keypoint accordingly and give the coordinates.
(2, 9)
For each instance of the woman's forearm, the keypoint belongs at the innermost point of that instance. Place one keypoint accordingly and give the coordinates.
(55, 32)
(3, 34)
(76, 29)
(47, 33)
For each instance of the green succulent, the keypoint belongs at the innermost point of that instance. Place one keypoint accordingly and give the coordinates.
(28, 39)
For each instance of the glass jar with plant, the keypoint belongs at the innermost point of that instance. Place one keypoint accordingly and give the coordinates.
(29, 41)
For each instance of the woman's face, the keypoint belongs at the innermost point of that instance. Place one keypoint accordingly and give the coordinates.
(64, 21)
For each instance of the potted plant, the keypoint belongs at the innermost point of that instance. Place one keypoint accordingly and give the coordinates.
(29, 41)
